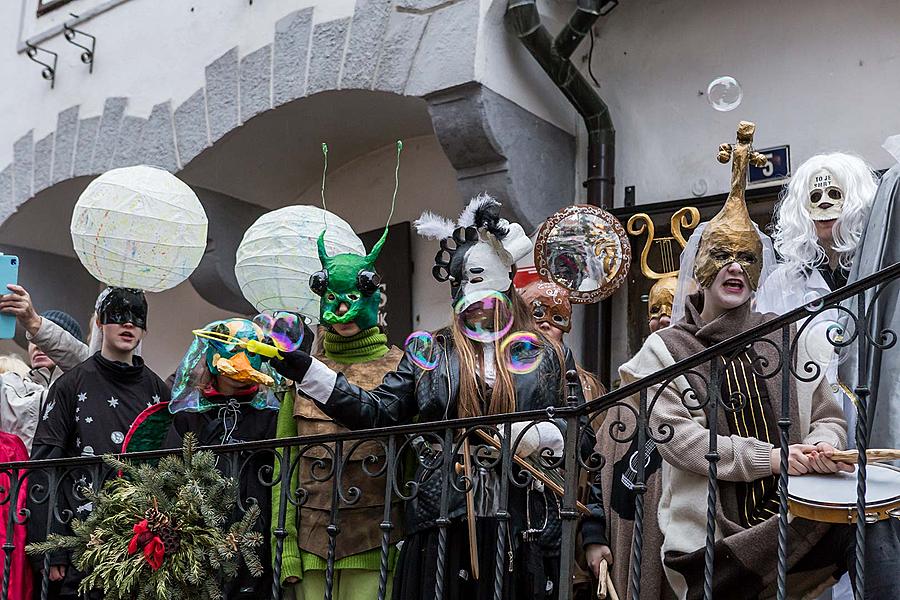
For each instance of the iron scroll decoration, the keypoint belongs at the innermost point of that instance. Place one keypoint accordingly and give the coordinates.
(584, 249)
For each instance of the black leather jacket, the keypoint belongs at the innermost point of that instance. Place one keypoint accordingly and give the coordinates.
(411, 393)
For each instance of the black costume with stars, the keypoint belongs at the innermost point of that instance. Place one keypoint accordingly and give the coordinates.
(87, 411)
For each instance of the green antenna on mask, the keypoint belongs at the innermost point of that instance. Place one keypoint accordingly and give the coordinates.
(376, 249)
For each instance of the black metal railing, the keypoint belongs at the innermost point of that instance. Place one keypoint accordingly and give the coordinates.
(431, 451)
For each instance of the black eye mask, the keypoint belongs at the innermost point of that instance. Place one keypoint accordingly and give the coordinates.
(124, 305)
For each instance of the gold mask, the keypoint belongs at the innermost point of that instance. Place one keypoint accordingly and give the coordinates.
(662, 297)
(730, 236)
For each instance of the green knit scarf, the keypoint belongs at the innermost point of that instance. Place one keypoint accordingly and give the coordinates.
(366, 345)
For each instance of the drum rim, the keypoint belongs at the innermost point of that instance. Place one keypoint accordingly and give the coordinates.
(877, 504)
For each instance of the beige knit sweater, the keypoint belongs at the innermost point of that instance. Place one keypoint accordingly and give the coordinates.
(682, 506)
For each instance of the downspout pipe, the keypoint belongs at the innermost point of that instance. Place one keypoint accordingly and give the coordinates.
(554, 58)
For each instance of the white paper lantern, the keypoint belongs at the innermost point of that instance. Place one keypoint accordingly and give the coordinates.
(139, 227)
(279, 253)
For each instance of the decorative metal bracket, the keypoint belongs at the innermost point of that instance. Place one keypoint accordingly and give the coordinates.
(87, 56)
(49, 70)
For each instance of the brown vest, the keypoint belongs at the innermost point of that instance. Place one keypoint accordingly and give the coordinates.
(360, 522)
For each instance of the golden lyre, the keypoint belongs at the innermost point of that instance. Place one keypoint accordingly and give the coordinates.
(251, 345)
(662, 294)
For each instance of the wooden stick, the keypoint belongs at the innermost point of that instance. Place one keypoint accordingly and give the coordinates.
(612, 589)
(875, 455)
(470, 507)
(601, 581)
(554, 487)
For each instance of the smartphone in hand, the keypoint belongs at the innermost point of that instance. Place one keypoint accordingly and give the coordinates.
(9, 274)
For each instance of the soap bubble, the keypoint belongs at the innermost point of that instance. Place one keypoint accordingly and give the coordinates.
(812, 301)
(284, 329)
(724, 93)
(522, 352)
(419, 347)
(484, 316)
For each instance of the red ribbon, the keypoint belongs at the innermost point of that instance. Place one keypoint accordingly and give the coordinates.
(153, 546)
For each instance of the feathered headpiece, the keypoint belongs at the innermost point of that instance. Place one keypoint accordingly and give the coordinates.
(479, 252)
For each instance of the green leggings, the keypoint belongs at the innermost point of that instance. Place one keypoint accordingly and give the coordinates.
(349, 584)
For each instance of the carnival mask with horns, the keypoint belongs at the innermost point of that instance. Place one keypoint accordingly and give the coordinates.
(730, 237)
(348, 279)
(351, 279)
(479, 252)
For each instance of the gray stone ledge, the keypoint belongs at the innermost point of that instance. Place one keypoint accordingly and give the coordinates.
(367, 31)
(222, 77)
(158, 140)
(451, 32)
(64, 151)
(291, 55)
(84, 147)
(43, 163)
(108, 135)
(191, 128)
(398, 51)
(256, 82)
(329, 39)
(6, 192)
(23, 159)
(128, 145)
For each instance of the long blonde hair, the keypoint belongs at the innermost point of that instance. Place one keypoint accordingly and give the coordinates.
(471, 361)
(12, 363)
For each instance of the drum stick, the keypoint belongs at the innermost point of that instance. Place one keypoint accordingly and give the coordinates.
(601, 580)
(612, 589)
(876, 455)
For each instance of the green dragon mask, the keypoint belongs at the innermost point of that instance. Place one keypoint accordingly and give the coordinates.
(348, 279)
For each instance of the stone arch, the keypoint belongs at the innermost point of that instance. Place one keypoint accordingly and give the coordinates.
(419, 48)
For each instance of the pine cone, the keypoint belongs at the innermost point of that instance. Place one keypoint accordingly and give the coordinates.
(170, 537)
(155, 519)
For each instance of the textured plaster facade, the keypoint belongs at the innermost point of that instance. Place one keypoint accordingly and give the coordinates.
(406, 47)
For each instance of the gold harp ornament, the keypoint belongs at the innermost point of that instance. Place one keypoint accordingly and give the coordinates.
(662, 293)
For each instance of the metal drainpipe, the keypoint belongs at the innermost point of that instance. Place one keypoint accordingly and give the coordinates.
(553, 56)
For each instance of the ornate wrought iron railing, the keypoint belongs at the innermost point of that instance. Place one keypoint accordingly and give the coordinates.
(433, 449)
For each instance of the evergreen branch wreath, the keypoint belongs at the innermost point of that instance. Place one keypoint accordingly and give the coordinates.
(159, 532)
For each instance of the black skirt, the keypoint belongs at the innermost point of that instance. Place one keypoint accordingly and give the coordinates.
(526, 572)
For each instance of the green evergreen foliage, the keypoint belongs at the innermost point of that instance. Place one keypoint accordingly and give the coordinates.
(186, 502)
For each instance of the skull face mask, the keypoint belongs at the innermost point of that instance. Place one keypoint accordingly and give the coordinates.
(730, 237)
(826, 198)
(348, 279)
(478, 253)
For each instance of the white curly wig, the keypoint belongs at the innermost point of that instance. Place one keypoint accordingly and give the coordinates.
(795, 234)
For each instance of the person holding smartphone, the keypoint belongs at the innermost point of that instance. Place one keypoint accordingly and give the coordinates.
(55, 346)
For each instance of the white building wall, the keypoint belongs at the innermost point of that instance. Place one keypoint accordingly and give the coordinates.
(820, 75)
(148, 51)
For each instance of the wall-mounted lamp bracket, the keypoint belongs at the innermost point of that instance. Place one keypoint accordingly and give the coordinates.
(49, 70)
(87, 54)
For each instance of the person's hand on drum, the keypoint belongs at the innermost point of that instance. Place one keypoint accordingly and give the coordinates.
(820, 460)
(798, 461)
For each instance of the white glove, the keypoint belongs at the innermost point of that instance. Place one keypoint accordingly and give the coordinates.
(542, 435)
